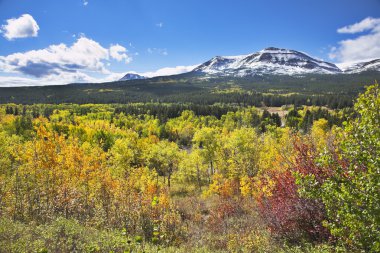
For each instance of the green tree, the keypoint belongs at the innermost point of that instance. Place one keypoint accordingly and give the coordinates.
(207, 140)
(163, 157)
(125, 155)
(351, 189)
(239, 153)
(193, 170)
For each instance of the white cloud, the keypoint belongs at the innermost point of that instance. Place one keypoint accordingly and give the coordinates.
(119, 53)
(161, 51)
(14, 81)
(85, 55)
(83, 61)
(364, 25)
(85, 2)
(80, 77)
(363, 47)
(169, 71)
(61, 79)
(22, 27)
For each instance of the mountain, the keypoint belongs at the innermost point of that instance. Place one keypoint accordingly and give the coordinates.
(273, 61)
(132, 76)
(372, 65)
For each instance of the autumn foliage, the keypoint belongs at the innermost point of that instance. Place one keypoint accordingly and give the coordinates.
(237, 183)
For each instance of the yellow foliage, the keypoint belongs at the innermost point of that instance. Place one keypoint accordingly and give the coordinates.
(319, 132)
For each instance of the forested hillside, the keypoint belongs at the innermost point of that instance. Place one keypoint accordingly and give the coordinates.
(187, 177)
(334, 91)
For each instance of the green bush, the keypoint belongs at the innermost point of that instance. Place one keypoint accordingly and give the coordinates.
(351, 192)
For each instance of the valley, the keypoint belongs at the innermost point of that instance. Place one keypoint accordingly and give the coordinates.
(189, 126)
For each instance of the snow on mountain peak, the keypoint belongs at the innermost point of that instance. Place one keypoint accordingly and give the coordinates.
(270, 60)
(273, 61)
(132, 76)
(357, 67)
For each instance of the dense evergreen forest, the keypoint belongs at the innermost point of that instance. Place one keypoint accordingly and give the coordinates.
(190, 177)
(334, 91)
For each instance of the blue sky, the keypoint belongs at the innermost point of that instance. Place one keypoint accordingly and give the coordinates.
(48, 41)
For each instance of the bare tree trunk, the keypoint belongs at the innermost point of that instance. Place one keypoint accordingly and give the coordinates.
(199, 179)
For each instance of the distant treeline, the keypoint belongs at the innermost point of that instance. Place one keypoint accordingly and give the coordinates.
(301, 118)
(333, 91)
(79, 96)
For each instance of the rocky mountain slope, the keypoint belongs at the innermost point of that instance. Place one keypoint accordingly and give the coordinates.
(271, 60)
(132, 76)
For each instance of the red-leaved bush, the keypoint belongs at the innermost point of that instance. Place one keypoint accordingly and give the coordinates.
(288, 214)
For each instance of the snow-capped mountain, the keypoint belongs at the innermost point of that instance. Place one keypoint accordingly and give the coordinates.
(373, 65)
(271, 60)
(132, 76)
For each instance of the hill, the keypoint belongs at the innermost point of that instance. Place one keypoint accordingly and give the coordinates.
(334, 90)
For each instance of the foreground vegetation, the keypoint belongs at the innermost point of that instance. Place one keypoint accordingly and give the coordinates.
(186, 178)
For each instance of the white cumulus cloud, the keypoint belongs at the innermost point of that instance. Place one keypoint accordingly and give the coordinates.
(85, 55)
(119, 53)
(22, 27)
(85, 61)
(60, 79)
(364, 46)
(168, 71)
(80, 77)
(364, 25)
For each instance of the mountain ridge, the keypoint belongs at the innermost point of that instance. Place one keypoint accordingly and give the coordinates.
(131, 76)
(273, 61)
(270, 60)
(357, 67)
